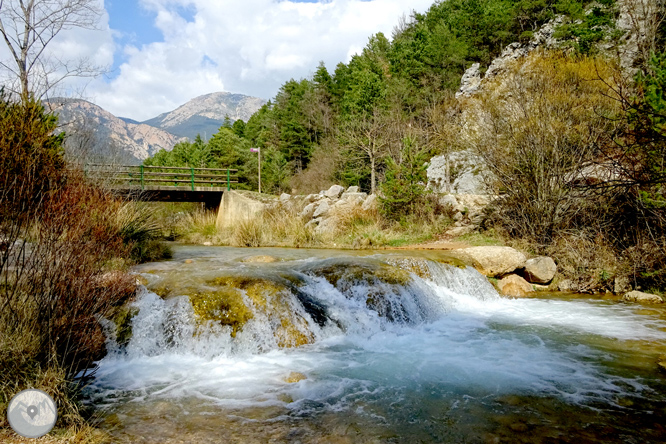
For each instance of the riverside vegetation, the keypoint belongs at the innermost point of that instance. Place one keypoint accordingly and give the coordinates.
(65, 249)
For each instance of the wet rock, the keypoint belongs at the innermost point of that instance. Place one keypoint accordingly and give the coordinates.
(334, 192)
(540, 270)
(260, 259)
(514, 285)
(492, 261)
(295, 377)
(642, 298)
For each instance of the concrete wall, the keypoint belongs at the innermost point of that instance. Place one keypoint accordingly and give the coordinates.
(236, 207)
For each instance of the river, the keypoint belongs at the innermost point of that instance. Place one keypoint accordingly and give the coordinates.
(330, 346)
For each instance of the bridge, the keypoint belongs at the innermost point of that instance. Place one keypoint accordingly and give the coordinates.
(165, 184)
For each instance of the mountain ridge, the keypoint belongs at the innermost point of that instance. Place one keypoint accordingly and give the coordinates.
(203, 115)
(110, 136)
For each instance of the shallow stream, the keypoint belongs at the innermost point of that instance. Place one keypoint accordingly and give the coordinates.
(319, 346)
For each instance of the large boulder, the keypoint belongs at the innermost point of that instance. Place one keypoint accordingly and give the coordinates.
(239, 206)
(540, 270)
(334, 192)
(514, 285)
(492, 261)
(322, 209)
(642, 298)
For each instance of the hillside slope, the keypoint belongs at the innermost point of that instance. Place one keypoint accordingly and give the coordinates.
(205, 114)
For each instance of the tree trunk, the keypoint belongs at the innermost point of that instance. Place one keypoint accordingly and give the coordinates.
(372, 174)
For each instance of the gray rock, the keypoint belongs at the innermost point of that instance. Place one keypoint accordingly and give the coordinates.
(514, 285)
(334, 192)
(309, 210)
(284, 197)
(540, 270)
(352, 189)
(642, 298)
(470, 81)
(459, 172)
(370, 203)
(322, 209)
(449, 200)
(492, 261)
(349, 196)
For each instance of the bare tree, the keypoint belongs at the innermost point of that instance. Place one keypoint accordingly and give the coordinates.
(28, 27)
(366, 137)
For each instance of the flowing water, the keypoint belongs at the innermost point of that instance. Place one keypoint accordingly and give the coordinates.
(349, 347)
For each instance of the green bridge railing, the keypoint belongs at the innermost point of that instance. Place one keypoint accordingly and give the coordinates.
(162, 177)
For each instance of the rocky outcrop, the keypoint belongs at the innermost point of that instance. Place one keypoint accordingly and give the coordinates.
(471, 80)
(492, 261)
(323, 211)
(459, 172)
(642, 298)
(540, 270)
(514, 285)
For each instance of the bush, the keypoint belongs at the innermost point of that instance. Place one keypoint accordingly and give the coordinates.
(538, 132)
(403, 191)
(61, 264)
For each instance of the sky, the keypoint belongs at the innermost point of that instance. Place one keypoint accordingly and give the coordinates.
(161, 53)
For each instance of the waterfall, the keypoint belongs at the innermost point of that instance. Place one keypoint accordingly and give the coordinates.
(382, 340)
(313, 301)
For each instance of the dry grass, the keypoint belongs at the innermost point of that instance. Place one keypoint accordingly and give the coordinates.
(587, 259)
(60, 270)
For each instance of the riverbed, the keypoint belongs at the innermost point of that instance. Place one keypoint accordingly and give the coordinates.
(379, 347)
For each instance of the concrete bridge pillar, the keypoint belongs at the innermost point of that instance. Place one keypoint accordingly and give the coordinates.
(237, 206)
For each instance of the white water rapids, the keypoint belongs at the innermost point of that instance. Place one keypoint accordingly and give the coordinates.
(444, 342)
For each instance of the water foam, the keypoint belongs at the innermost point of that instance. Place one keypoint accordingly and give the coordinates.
(450, 334)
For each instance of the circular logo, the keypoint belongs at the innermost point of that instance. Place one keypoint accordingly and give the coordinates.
(32, 413)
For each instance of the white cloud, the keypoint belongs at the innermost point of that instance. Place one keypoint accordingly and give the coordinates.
(255, 46)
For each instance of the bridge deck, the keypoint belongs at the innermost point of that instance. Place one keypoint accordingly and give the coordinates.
(165, 184)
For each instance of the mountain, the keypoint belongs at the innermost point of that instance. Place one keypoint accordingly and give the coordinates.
(205, 114)
(98, 135)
